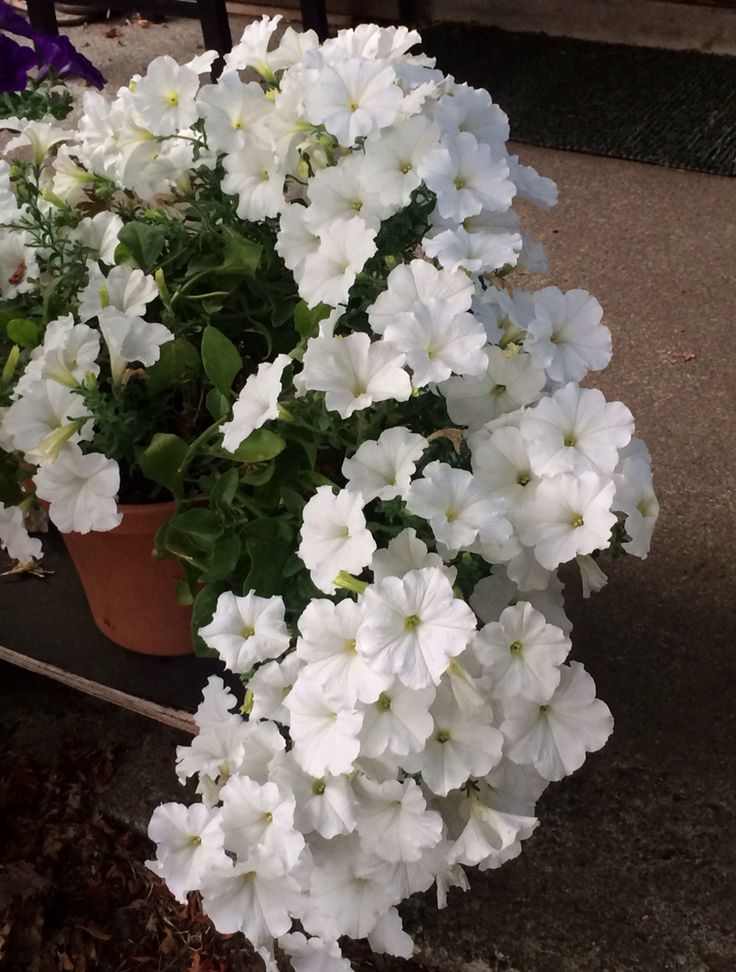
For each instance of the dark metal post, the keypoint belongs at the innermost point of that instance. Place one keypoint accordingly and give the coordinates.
(314, 17)
(42, 16)
(215, 31)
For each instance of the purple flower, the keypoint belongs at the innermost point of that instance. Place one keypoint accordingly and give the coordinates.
(15, 63)
(60, 55)
(12, 21)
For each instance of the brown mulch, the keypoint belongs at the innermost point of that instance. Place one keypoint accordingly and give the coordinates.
(75, 895)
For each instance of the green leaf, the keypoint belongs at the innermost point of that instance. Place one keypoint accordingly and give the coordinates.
(142, 243)
(161, 460)
(217, 405)
(269, 544)
(220, 359)
(306, 319)
(241, 255)
(306, 323)
(23, 332)
(260, 446)
(179, 362)
(204, 607)
(222, 559)
(223, 492)
(201, 524)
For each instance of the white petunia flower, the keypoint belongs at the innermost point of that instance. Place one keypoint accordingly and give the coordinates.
(341, 191)
(130, 338)
(81, 491)
(126, 289)
(511, 380)
(313, 954)
(188, 844)
(14, 536)
(466, 178)
(477, 252)
(70, 181)
(343, 899)
(216, 706)
(260, 817)
(295, 241)
(458, 507)
(165, 96)
(566, 516)
(490, 832)
(253, 174)
(418, 282)
(394, 822)
(42, 136)
(18, 265)
(354, 372)
(438, 342)
(462, 745)
(254, 896)
(100, 234)
(554, 737)
(325, 804)
(566, 336)
(413, 625)
(471, 110)
(251, 51)
(334, 536)
(522, 653)
(389, 938)
(501, 463)
(47, 416)
(256, 404)
(493, 594)
(270, 685)
(9, 210)
(327, 646)
(324, 728)
(530, 185)
(354, 98)
(392, 159)
(231, 110)
(636, 498)
(575, 430)
(382, 468)
(404, 553)
(329, 273)
(246, 630)
(398, 722)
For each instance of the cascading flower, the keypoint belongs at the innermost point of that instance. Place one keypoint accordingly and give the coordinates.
(295, 311)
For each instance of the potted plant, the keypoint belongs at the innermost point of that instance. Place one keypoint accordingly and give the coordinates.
(286, 306)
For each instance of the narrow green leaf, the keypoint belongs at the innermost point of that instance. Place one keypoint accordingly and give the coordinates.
(220, 358)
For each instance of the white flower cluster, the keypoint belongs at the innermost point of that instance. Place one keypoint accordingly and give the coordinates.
(397, 730)
(391, 741)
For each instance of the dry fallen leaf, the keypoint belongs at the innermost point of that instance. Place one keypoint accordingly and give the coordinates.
(687, 355)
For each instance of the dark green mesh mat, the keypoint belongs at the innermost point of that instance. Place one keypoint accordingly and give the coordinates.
(675, 108)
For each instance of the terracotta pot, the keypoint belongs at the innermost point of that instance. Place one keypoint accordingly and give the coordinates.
(132, 596)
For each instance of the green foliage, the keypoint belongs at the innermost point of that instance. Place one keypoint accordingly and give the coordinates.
(140, 245)
(220, 359)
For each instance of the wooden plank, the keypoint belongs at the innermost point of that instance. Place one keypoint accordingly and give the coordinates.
(176, 718)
